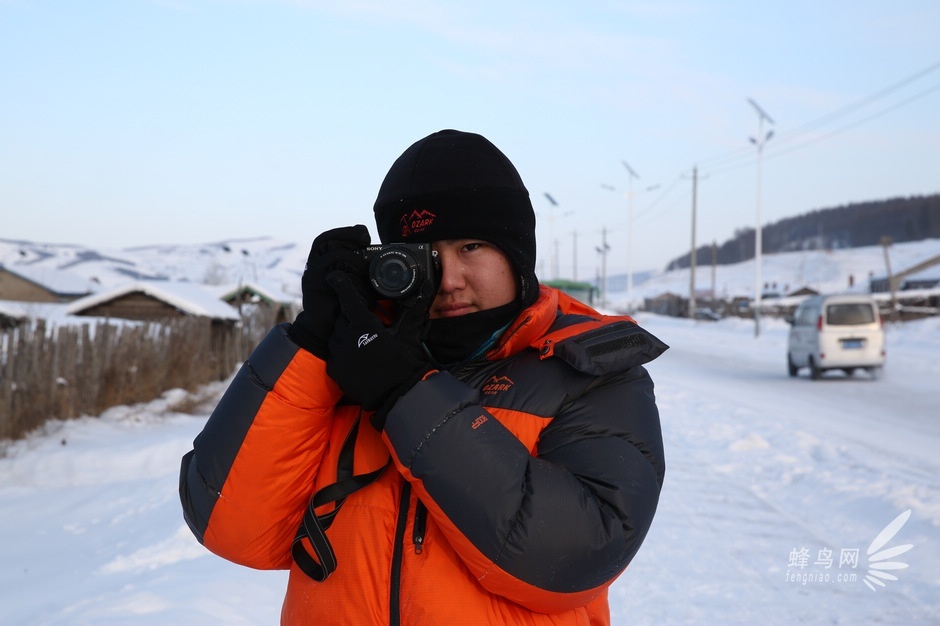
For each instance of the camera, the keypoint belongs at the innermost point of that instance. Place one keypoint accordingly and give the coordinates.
(397, 270)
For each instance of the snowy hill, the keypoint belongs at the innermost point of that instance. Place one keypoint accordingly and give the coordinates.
(847, 269)
(280, 264)
(224, 262)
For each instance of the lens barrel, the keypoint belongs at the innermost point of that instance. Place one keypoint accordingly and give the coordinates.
(394, 271)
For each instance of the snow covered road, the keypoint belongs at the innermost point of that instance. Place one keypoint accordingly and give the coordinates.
(762, 468)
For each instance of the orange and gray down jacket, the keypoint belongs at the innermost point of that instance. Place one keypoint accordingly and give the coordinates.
(516, 488)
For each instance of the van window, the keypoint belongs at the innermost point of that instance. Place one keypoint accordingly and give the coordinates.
(799, 316)
(806, 316)
(850, 314)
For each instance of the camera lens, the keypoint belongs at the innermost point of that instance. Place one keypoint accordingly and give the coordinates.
(393, 275)
(393, 272)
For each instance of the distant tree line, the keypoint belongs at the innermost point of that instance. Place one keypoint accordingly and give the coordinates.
(849, 226)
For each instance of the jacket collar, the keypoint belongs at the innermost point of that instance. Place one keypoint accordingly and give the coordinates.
(530, 328)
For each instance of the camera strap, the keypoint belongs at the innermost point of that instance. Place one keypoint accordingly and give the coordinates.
(322, 563)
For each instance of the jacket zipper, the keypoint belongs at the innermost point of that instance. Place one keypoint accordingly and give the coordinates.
(394, 600)
(421, 518)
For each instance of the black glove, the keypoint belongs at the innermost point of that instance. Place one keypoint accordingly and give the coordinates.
(333, 250)
(372, 363)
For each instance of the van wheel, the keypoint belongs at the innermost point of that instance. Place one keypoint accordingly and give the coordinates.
(874, 372)
(814, 372)
(792, 369)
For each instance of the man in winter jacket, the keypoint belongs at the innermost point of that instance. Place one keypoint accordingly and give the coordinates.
(477, 449)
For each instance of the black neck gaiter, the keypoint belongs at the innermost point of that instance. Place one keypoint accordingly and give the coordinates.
(451, 340)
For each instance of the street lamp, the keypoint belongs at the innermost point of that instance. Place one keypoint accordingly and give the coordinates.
(551, 231)
(629, 195)
(632, 175)
(758, 237)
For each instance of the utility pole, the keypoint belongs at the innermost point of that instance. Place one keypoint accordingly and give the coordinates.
(597, 276)
(892, 284)
(758, 236)
(602, 250)
(574, 255)
(630, 237)
(714, 268)
(629, 195)
(692, 255)
(555, 260)
(551, 231)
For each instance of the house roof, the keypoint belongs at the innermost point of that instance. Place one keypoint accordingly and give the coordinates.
(267, 292)
(190, 298)
(803, 290)
(59, 282)
(12, 310)
(931, 273)
(666, 295)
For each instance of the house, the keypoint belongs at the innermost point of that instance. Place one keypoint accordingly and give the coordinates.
(11, 315)
(24, 283)
(153, 301)
(925, 279)
(578, 290)
(281, 306)
(923, 275)
(667, 303)
(803, 291)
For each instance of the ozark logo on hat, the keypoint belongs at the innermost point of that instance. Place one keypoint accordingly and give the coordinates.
(416, 222)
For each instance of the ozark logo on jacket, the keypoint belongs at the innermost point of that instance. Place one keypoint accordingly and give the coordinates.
(496, 384)
(416, 222)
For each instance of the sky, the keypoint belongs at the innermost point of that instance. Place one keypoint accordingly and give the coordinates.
(189, 121)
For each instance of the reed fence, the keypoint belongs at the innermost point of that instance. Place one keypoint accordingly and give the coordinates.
(70, 371)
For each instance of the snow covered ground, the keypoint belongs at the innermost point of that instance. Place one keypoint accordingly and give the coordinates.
(772, 485)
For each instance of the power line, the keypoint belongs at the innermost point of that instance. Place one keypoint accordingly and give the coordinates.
(652, 205)
(779, 150)
(731, 160)
(839, 113)
(675, 203)
(865, 120)
(744, 156)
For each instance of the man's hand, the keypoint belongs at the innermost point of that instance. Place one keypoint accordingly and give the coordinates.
(335, 249)
(375, 364)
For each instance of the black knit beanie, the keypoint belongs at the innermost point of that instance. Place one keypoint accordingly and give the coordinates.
(457, 185)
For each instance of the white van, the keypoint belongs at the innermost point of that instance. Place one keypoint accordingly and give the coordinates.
(837, 332)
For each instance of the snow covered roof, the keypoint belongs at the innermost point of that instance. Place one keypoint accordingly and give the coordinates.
(12, 310)
(57, 281)
(190, 298)
(930, 273)
(265, 290)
